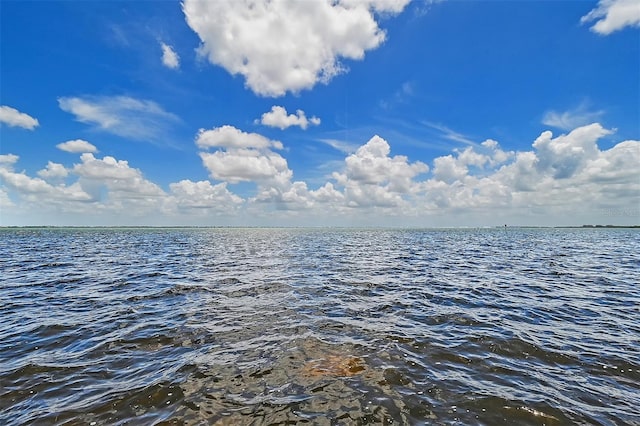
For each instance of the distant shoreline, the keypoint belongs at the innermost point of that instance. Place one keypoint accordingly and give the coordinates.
(313, 227)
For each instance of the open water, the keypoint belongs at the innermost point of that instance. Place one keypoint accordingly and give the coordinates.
(319, 326)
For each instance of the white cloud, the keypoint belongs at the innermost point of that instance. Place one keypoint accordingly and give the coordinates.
(246, 165)
(230, 137)
(189, 196)
(78, 146)
(564, 179)
(14, 118)
(296, 196)
(53, 171)
(25, 183)
(116, 188)
(8, 160)
(613, 15)
(340, 145)
(286, 45)
(36, 190)
(563, 155)
(106, 169)
(561, 178)
(5, 200)
(448, 170)
(278, 117)
(424, 6)
(494, 154)
(450, 134)
(371, 164)
(117, 176)
(372, 177)
(571, 119)
(452, 168)
(522, 175)
(242, 157)
(108, 188)
(120, 115)
(327, 194)
(170, 58)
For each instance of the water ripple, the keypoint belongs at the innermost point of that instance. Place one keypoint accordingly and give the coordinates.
(319, 326)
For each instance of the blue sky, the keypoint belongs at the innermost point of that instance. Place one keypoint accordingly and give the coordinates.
(352, 112)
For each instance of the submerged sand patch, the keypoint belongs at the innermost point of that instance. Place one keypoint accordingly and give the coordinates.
(334, 366)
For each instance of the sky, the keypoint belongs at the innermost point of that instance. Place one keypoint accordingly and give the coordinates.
(320, 113)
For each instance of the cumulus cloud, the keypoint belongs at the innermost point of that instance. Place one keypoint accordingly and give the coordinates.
(108, 186)
(14, 118)
(120, 115)
(568, 173)
(242, 157)
(121, 180)
(563, 155)
(613, 15)
(296, 196)
(203, 195)
(279, 118)
(371, 164)
(37, 190)
(561, 177)
(286, 45)
(170, 58)
(5, 200)
(559, 180)
(78, 146)
(8, 160)
(53, 171)
(246, 165)
(452, 168)
(230, 137)
(448, 170)
(372, 177)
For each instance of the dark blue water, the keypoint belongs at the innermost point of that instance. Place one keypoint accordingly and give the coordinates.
(332, 326)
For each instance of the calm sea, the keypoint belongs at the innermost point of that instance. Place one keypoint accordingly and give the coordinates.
(319, 326)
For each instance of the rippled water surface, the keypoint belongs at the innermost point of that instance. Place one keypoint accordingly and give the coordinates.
(332, 326)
